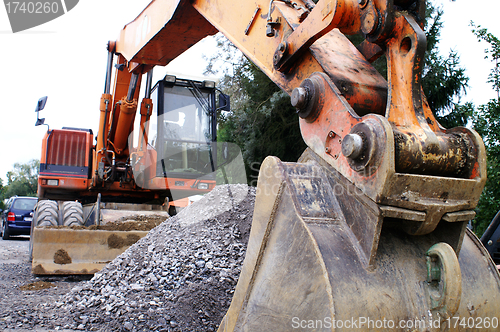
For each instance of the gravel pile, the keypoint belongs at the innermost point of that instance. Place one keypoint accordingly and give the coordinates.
(180, 277)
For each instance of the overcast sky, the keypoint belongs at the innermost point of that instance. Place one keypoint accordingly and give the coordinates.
(65, 59)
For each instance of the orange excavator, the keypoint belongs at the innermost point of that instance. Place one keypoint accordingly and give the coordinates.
(172, 155)
(368, 230)
(79, 183)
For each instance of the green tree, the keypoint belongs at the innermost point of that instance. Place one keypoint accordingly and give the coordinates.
(487, 124)
(263, 122)
(2, 196)
(443, 79)
(23, 179)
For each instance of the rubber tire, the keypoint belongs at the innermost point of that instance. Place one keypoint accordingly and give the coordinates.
(46, 213)
(72, 214)
(5, 231)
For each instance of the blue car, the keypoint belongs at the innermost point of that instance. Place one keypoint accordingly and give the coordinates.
(17, 217)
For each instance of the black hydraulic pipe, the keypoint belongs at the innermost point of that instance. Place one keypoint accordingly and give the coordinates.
(132, 86)
(495, 223)
(149, 82)
(107, 85)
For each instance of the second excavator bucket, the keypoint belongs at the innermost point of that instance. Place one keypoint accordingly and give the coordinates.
(320, 258)
(77, 251)
(80, 249)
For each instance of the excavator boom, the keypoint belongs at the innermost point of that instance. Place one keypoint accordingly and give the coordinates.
(389, 145)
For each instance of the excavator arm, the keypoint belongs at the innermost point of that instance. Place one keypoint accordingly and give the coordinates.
(381, 135)
(372, 220)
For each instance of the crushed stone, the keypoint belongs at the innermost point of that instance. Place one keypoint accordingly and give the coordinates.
(180, 277)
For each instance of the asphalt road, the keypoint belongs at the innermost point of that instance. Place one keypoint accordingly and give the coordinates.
(15, 250)
(18, 307)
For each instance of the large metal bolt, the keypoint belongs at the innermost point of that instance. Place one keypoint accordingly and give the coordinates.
(352, 146)
(280, 53)
(282, 47)
(299, 97)
(369, 23)
(269, 30)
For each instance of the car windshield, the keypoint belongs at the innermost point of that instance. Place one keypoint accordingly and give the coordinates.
(24, 204)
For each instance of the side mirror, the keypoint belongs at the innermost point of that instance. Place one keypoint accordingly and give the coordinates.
(39, 122)
(41, 104)
(224, 102)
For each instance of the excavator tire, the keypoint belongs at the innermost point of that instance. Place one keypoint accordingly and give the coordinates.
(46, 213)
(72, 214)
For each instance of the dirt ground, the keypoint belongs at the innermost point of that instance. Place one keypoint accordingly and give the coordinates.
(20, 291)
(180, 277)
(134, 223)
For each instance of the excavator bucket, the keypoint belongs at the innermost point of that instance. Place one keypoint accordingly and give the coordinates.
(320, 258)
(77, 251)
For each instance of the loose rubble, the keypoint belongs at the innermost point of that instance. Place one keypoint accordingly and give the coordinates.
(180, 277)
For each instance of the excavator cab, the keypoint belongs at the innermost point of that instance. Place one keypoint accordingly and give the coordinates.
(182, 153)
(185, 128)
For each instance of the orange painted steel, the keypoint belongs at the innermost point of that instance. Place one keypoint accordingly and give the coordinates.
(293, 45)
(146, 110)
(311, 247)
(162, 32)
(124, 124)
(162, 18)
(383, 193)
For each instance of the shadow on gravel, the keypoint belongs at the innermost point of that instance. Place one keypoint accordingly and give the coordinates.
(18, 238)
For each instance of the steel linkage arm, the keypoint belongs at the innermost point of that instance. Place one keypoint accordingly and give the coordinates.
(380, 135)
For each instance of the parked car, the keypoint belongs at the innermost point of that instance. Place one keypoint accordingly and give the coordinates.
(17, 216)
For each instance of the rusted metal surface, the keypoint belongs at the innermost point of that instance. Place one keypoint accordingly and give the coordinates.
(334, 107)
(370, 51)
(340, 94)
(453, 155)
(77, 251)
(327, 15)
(332, 120)
(358, 82)
(347, 67)
(373, 219)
